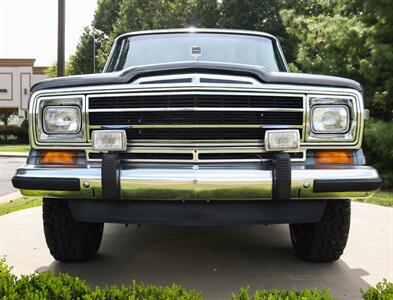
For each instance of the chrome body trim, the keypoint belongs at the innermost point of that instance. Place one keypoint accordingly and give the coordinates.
(195, 78)
(196, 152)
(193, 108)
(198, 126)
(200, 182)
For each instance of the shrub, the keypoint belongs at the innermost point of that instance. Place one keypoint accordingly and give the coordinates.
(47, 285)
(244, 294)
(378, 148)
(383, 291)
(11, 134)
(23, 134)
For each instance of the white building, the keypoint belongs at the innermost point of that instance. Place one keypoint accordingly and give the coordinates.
(16, 78)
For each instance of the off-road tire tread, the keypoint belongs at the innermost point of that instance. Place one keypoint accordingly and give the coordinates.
(326, 239)
(69, 240)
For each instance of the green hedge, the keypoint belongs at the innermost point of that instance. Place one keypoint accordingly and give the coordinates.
(383, 291)
(10, 134)
(378, 148)
(46, 285)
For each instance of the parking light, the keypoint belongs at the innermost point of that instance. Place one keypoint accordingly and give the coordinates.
(333, 157)
(58, 157)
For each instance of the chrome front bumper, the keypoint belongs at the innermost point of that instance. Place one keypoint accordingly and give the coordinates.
(203, 182)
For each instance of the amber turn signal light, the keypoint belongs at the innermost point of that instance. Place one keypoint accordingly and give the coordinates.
(333, 157)
(58, 157)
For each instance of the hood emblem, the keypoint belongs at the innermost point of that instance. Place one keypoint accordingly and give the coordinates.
(196, 52)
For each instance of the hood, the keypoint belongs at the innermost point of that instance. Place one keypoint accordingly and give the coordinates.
(133, 73)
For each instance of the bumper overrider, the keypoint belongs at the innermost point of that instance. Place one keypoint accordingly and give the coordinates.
(278, 181)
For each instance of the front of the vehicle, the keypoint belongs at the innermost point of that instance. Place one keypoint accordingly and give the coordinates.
(197, 127)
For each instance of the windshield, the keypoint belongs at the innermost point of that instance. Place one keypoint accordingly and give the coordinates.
(180, 47)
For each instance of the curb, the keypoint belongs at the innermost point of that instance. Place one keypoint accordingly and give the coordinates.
(14, 154)
(9, 197)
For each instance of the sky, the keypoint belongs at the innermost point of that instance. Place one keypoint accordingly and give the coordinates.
(28, 28)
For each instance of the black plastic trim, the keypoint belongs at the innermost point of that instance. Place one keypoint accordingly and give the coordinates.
(281, 176)
(110, 176)
(47, 184)
(346, 185)
(198, 212)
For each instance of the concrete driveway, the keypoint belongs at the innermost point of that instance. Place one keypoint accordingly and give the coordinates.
(8, 166)
(213, 260)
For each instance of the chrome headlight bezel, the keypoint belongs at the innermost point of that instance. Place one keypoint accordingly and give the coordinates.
(42, 135)
(348, 134)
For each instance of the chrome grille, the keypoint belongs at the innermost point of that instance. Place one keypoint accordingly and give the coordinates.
(196, 126)
(196, 117)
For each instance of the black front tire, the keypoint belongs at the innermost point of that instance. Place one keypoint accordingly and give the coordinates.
(325, 240)
(69, 240)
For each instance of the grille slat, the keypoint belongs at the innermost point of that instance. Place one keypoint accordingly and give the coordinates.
(202, 118)
(171, 101)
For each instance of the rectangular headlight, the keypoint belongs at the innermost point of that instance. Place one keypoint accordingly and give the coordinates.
(330, 119)
(61, 119)
(109, 140)
(282, 140)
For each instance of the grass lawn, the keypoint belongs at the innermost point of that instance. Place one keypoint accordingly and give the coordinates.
(18, 204)
(14, 148)
(380, 198)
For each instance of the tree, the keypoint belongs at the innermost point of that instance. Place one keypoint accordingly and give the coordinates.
(52, 70)
(205, 14)
(328, 44)
(377, 69)
(85, 56)
(106, 15)
(154, 14)
(83, 61)
(260, 15)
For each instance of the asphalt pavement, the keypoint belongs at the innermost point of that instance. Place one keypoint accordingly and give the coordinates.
(8, 166)
(213, 260)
